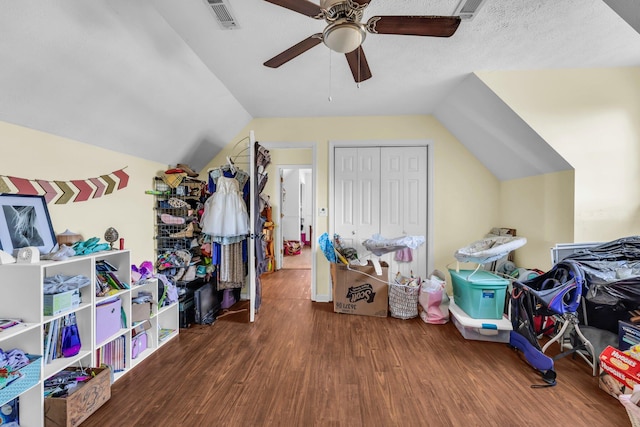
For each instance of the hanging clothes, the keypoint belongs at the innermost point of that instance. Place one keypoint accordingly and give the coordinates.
(225, 216)
(225, 222)
(238, 174)
(232, 272)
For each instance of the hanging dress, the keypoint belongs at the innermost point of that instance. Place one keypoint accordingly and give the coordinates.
(225, 216)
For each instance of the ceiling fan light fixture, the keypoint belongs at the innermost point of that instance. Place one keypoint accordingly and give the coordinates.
(344, 37)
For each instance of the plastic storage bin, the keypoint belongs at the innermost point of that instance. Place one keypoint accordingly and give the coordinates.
(479, 293)
(496, 330)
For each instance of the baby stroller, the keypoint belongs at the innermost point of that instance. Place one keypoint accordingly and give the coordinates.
(556, 295)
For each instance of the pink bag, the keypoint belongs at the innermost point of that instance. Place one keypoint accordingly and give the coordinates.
(138, 344)
(433, 299)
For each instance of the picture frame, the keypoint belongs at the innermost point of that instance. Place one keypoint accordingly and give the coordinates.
(25, 221)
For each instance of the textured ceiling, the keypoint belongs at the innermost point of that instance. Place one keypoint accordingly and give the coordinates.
(160, 79)
(410, 74)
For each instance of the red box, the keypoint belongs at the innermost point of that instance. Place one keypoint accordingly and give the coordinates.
(621, 366)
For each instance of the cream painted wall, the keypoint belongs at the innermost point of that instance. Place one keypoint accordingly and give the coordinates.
(540, 208)
(466, 195)
(592, 118)
(31, 154)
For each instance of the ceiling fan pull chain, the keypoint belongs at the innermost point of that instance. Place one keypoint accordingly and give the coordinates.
(330, 99)
(359, 69)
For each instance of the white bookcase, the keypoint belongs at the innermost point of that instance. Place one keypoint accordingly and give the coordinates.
(21, 290)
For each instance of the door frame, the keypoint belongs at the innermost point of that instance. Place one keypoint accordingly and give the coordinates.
(313, 146)
(386, 143)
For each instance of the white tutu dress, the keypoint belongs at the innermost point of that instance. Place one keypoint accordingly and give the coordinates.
(225, 213)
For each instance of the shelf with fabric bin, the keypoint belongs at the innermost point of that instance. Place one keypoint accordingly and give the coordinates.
(27, 287)
(144, 297)
(24, 285)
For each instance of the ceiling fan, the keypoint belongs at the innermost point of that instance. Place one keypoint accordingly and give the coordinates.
(345, 31)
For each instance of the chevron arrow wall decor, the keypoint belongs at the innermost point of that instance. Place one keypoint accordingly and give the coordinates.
(61, 192)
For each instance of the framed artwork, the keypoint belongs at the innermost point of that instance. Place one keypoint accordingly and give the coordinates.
(25, 221)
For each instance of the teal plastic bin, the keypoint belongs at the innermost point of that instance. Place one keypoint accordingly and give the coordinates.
(479, 293)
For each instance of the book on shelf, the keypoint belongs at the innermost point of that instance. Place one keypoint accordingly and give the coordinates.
(113, 354)
(164, 333)
(104, 265)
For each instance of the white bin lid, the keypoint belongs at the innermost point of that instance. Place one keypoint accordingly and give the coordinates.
(465, 320)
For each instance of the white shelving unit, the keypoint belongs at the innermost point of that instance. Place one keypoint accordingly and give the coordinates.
(21, 287)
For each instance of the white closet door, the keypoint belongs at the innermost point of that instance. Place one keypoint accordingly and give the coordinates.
(357, 194)
(403, 176)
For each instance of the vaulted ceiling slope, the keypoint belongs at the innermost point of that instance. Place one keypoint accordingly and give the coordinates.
(629, 10)
(495, 134)
(160, 79)
(113, 74)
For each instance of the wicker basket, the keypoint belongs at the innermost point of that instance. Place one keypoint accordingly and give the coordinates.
(632, 409)
(403, 300)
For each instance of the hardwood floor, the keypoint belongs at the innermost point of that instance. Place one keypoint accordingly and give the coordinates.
(301, 261)
(300, 364)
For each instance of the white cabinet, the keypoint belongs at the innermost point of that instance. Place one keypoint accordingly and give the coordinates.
(21, 287)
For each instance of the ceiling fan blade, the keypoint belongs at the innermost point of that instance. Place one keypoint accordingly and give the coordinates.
(294, 51)
(435, 26)
(301, 6)
(359, 65)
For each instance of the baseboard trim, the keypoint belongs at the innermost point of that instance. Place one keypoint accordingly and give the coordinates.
(321, 298)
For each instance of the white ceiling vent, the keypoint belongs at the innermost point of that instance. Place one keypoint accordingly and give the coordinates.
(222, 12)
(467, 9)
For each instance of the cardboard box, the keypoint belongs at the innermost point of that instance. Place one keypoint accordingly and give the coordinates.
(57, 303)
(619, 366)
(140, 312)
(359, 290)
(628, 335)
(140, 328)
(78, 406)
(612, 386)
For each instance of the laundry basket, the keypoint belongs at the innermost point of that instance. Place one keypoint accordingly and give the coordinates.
(403, 297)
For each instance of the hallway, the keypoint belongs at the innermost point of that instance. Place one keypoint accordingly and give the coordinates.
(296, 262)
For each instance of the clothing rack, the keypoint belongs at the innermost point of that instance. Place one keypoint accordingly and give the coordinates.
(241, 154)
(233, 157)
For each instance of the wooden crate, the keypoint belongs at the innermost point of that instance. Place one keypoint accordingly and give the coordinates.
(74, 409)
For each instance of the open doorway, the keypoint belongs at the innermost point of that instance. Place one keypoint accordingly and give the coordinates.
(296, 189)
(296, 161)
